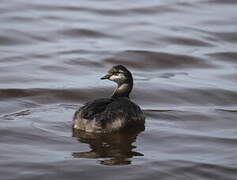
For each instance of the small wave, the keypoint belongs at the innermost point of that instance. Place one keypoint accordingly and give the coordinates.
(12, 116)
(155, 60)
(187, 41)
(220, 2)
(193, 169)
(6, 40)
(15, 37)
(210, 96)
(224, 56)
(227, 110)
(230, 37)
(85, 33)
(52, 95)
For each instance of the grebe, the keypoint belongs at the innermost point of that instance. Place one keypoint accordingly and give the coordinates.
(114, 113)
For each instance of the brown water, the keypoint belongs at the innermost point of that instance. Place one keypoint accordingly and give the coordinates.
(183, 55)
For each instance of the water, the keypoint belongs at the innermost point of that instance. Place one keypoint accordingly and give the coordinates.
(184, 60)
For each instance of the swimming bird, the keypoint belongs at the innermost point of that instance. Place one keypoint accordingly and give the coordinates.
(111, 114)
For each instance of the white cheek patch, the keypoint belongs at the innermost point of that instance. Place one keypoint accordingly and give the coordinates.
(119, 77)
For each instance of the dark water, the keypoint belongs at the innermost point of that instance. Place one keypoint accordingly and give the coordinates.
(183, 55)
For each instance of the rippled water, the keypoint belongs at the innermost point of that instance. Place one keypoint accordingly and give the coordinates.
(183, 55)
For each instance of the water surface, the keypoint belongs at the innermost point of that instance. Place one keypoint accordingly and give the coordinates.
(184, 61)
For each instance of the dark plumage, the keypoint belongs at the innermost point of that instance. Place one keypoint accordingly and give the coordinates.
(111, 114)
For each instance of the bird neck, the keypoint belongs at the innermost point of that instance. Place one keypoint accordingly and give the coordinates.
(123, 90)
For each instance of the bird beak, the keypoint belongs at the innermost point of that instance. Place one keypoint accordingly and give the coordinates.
(105, 77)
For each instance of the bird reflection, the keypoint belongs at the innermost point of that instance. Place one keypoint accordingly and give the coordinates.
(112, 149)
